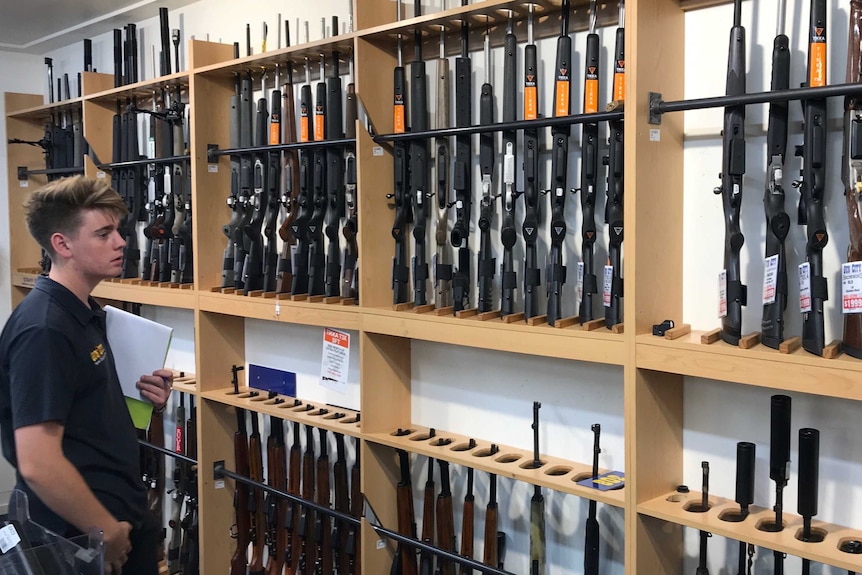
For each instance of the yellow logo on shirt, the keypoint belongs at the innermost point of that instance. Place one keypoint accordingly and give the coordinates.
(98, 354)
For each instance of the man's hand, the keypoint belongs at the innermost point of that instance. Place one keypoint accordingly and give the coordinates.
(117, 546)
(157, 387)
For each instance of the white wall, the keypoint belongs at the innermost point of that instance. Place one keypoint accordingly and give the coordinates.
(489, 394)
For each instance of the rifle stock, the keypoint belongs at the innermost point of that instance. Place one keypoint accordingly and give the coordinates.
(322, 491)
(306, 519)
(852, 171)
(342, 504)
(276, 462)
(291, 520)
(258, 523)
(357, 505)
(426, 560)
(530, 228)
(405, 558)
(239, 561)
(490, 555)
(467, 523)
(445, 520)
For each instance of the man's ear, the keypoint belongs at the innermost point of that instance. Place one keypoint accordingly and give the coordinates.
(60, 245)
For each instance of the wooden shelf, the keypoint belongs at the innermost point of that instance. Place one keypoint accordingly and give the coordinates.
(308, 413)
(272, 309)
(132, 290)
(557, 474)
(573, 342)
(762, 366)
(143, 89)
(46, 110)
(186, 383)
(25, 278)
(671, 507)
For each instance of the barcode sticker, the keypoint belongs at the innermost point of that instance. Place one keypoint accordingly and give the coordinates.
(212, 168)
(722, 293)
(8, 538)
(580, 282)
(377, 151)
(851, 287)
(606, 285)
(23, 184)
(804, 287)
(770, 278)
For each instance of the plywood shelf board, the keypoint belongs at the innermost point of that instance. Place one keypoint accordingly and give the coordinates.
(143, 89)
(45, 111)
(149, 295)
(270, 309)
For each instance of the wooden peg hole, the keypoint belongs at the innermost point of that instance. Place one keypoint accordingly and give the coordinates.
(462, 447)
(532, 464)
(696, 506)
(769, 526)
(817, 535)
(558, 470)
(508, 458)
(441, 442)
(581, 476)
(484, 453)
(422, 437)
(732, 516)
(850, 545)
(348, 420)
(676, 497)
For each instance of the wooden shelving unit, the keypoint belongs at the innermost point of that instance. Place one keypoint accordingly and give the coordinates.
(653, 368)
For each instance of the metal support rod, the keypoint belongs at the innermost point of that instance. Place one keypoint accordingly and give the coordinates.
(24, 172)
(165, 451)
(214, 152)
(144, 162)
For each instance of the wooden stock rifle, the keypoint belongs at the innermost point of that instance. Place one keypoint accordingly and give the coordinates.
(851, 171)
(467, 516)
(426, 559)
(256, 509)
(324, 544)
(357, 505)
(490, 554)
(340, 533)
(291, 519)
(276, 464)
(239, 561)
(306, 518)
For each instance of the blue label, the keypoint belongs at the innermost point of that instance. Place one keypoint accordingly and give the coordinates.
(606, 481)
(269, 379)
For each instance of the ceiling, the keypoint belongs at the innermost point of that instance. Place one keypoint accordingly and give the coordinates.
(38, 26)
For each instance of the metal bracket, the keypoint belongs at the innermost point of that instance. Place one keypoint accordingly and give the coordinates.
(218, 467)
(211, 157)
(655, 100)
(22, 173)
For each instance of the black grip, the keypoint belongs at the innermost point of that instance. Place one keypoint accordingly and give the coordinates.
(334, 118)
(779, 439)
(418, 97)
(745, 457)
(510, 98)
(809, 466)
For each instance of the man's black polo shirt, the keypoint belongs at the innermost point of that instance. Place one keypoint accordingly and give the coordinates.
(55, 365)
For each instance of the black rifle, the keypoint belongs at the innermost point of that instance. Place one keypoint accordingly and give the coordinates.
(153, 229)
(276, 465)
(732, 170)
(180, 490)
(462, 176)
(812, 186)
(486, 263)
(403, 211)
(809, 476)
(537, 507)
(532, 273)
(334, 177)
(316, 253)
(252, 271)
(702, 569)
(304, 199)
(779, 461)
(418, 165)
(616, 187)
(508, 229)
(591, 539)
(589, 169)
(189, 548)
(349, 273)
(245, 205)
(231, 229)
(274, 197)
(745, 458)
(340, 532)
(181, 240)
(777, 220)
(443, 256)
(556, 271)
(426, 559)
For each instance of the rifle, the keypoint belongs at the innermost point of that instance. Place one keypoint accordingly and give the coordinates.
(426, 560)
(537, 507)
(299, 284)
(274, 197)
(252, 272)
(316, 255)
(704, 507)
(591, 540)
(616, 187)
(357, 509)
(467, 523)
(463, 175)
(442, 262)
(179, 491)
(256, 508)
(181, 265)
(745, 458)
(777, 220)
(589, 170)
(334, 178)
(779, 462)
(445, 520)
(291, 519)
(403, 213)
(166, 226)
(284, 267)
(276, 462)
(230, 229)
(809, 474)
(404, 562)
(130, 179)
(559, 166)
(486, 262)
(242, 241)
(418, 151)
(154, 208)
(490, 555)
(189, 548)
(508, 231)
(812, 190)
(851, 172)
(306, 518)
(349, 283)
(530, 228)
(238, 562)
(732, 170)
(342, 504)
(324, 543)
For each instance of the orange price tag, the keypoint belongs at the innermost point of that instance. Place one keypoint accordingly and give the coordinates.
(562, 97)
(398, 119)
(817, 65)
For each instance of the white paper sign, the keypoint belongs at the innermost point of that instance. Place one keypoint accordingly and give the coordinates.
(804, 287)
(336, 360)
(851, 287)
(8, 538)
(580, 282)
(606, 285)
(770, 278)
(722, 293)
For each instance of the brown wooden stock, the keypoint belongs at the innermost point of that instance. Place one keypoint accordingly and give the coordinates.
(489, 556)
(406, 526)
(293, 487)
(853, 321)
(445, 532)
(239, 561)
(275, 466)
(342, 503)
(357, 504)
(258, 526)
(308, 493)
(467, 533)
(323, 489)
(427, 560)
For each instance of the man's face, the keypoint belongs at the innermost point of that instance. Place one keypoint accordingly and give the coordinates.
(97, 249)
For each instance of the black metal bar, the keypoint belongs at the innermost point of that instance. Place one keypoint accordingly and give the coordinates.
(219, 471)
(165, 451)
(24, 172)
(144, 162)
(657, 106)
(213, 151)
(502, 126)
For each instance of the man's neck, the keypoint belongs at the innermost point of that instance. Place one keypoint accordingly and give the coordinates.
(75, 283)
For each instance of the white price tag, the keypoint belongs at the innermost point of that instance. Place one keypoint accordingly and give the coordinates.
(212, 168)
(722, 293)
(851, 287)
(377, 151)
(100, 175)
(8, 538)
(23, 184)
(770, 278)
(606, 285)
(804, 287)
(655, 135)
(580, 282)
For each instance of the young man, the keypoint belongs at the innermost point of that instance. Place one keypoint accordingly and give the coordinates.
(63, 421)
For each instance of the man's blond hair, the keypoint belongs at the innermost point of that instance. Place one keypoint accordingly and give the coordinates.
(58, 207)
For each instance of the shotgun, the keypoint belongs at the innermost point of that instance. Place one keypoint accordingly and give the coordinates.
(530, 228)
(238, 563)
(851, 171)
(445, 520)
(467, 523)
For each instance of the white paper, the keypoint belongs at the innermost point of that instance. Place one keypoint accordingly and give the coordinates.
(804, 287)
(336, 360)
(580, 283)
(770, 278)
(140, 346)
(722, 293)
(851, 287)
(607, 284)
